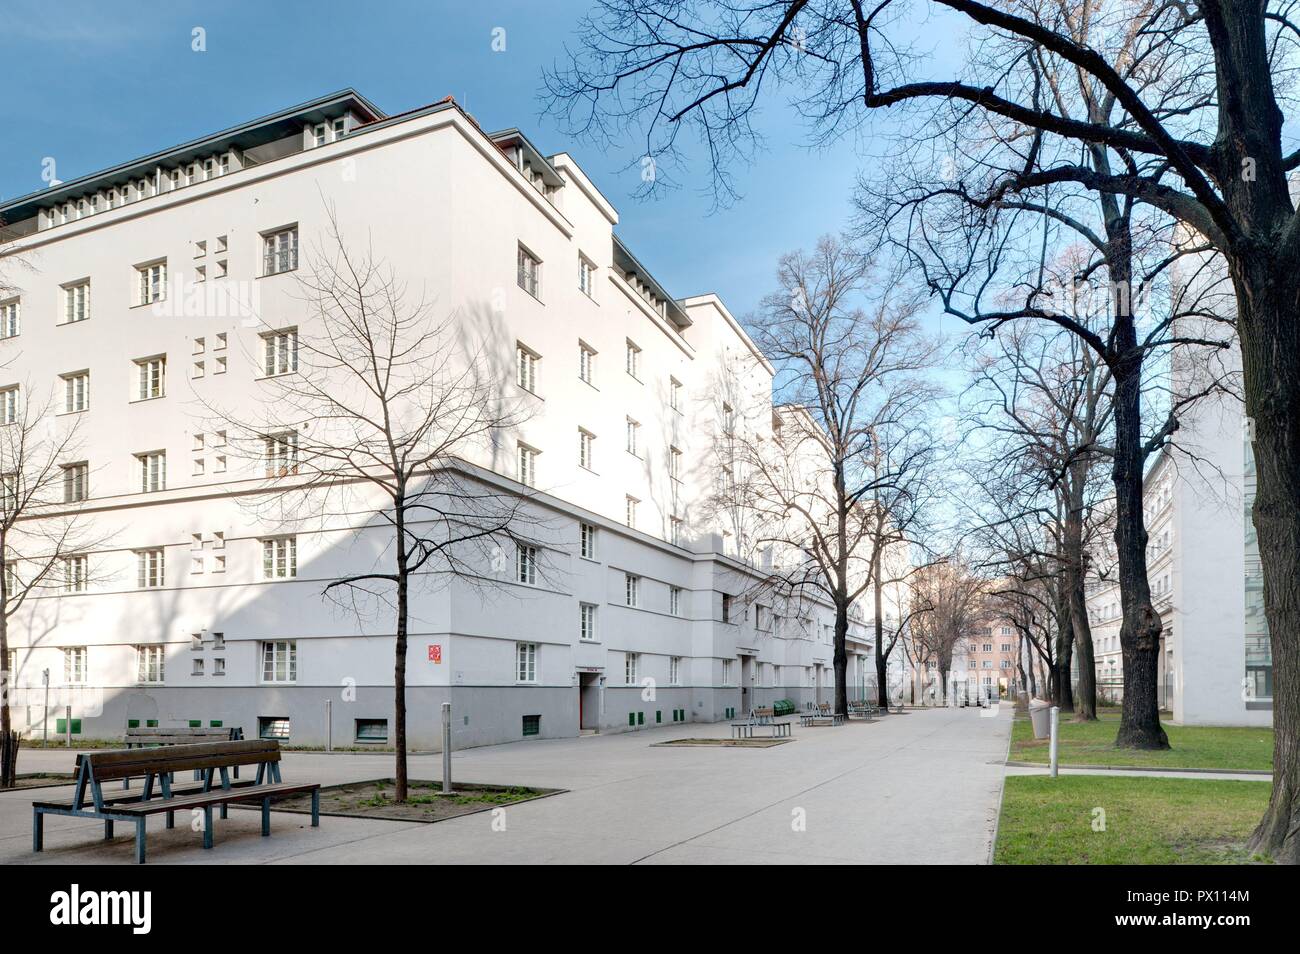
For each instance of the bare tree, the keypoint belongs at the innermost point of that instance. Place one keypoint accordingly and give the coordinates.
(44, 539)
(851, 448)
(948, 598)
(1185, 106)
(369, 418)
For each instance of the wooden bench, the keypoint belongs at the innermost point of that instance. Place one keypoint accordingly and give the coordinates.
(761, 718)
(213, 760)
(821, 714)
(151, 736)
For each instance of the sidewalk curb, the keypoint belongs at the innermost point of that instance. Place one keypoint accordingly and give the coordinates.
(1266, 773)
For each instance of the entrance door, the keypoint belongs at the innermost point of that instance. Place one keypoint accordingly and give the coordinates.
(746, 683)
(589, 701)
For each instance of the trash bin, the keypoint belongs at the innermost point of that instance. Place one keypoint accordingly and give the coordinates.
(1040, 714)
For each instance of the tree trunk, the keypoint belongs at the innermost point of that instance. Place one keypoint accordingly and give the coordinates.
(841, 659)
(1270, 343)
(8, 767)
(399, 665)
(882, 658)
(1085, 703)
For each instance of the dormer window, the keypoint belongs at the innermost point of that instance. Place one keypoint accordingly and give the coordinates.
(319, 135)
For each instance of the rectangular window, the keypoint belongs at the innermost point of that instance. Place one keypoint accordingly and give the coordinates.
(149, 568)
(74, 573)
(280, 661)
(675, 670)
(76, 302)
(76, 391)
(586, 364)
(530, 273)
(281, 451)
(726, 608)
(9, 405)
(633, 437)
(153, 282)
(631, 589)
(280, 352)
(10, 324)
(674, 394)
(525, 662)
(151, 375)
(586, 445)
(527, 466)
(674, 463)
(630, 511)
(273, 727)
(675, 600)
(526, 364)
(587, 540)
(280, 251)
(586, 277)
(526, 564)
(587, 621)
(150, 664)
(726, 672)
(279, 558)
(153, 471)
(631, 663)
(372, 730)
(75, 666)
(675, 525)
(633, 359)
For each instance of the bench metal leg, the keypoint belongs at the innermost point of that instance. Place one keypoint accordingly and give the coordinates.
(315, 808)
(207, 826)
(139, 841)
(171, 819)
(225, 811)
(38, 830)
(266, 817)
(108, 830)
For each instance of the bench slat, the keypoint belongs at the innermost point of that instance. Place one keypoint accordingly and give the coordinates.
(125, 763)
(252, 793)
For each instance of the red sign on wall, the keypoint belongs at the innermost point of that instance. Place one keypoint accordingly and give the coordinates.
(435, 652)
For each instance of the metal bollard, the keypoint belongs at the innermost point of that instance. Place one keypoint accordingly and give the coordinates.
(1056, 726)
(446, 748)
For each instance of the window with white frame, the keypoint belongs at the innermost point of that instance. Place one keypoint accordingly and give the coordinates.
(631, 665)
(76, 391)
(10, 323)
(675, 529)
(76, 302)
(152, 282)
(526, 361)
(150, 569)
(280, 661)
(75, 573)
(675, 670)
(281, 450)
(633, 437)
(631, 589)
(526, 564)
(674, 463)
(586, 363)
(527, 466)
(279, 558)
(151, 377)
(674, 394)
(586, 447)
(75, 665)
(280, 251)
(586, 277)
(633, 359)
(280, 352)
(530, 272)
(150, 664)
(76, 482)
(587, 621)
(153, 471)
(675, 600)
(726, 672)
(587, 541)
(9, 405)
(629, 514)
(525, 662)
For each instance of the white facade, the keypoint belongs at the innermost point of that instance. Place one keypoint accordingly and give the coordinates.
(147, 295)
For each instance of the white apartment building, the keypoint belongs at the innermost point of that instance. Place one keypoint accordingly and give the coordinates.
(168, 284)
(1204, 574)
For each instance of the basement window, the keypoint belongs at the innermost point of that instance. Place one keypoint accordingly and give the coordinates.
(372, 730)
(273, 727)
(532, 725)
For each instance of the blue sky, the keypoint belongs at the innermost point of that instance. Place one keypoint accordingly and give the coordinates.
(103, 83)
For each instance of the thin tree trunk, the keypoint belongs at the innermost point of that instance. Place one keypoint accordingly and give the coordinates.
(882, 661)
(8, 766)
(841, 658)
(399, 663)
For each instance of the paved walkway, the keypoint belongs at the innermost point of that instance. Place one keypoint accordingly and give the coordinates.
(924, 787)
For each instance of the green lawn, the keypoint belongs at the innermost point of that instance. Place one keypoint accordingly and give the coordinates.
(1147, 821)
(1093, 743)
